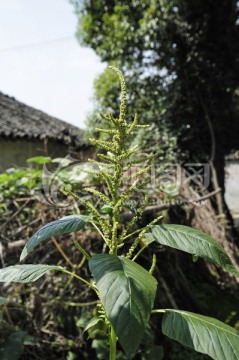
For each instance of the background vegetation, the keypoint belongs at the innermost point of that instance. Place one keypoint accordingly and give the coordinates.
(181, 60)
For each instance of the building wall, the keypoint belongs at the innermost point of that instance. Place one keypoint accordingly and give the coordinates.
(232, 186)
(15, 152)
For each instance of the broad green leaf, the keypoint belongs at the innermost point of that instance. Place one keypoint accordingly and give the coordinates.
(127, 292)
(193, 242)
(201, 333)
(149, 238)
(14, 346)
(25, 273)
(65, 225)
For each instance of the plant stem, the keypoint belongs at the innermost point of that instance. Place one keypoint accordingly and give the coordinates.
(59, 248)
(158, 311)
(69, 303)
(100, 232)
(139, 252)
(80, 248)
(79, 278)
(113, 341)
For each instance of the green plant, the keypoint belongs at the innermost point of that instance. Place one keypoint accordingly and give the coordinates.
(12, 340)
(125, 290)
(19, 182)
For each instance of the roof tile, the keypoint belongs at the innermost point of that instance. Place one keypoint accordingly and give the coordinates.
(19, 120)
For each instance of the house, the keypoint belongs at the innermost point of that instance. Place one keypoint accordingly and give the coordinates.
(26, 132)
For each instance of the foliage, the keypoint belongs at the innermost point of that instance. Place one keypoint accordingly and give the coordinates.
(14, 345)
(125, 290)
(63, 226)
(11, 347)
(181, 64)
(22, 214)
(158, 139)
(16, 182)
(191, 241)
(220, 338)
(33, 182)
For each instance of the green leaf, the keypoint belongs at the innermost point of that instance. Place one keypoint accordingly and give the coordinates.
(203, 334)
(149, 238)
(132, 209)
(14, 346)
(107, 209)
(25, 273)
(127, 292)
(94, 321)
(40, 160)
(65, 225)
(193, 242)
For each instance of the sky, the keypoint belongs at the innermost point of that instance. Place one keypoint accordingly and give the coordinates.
(41, 62)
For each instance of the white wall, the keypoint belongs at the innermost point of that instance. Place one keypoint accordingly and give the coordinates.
(232, 186)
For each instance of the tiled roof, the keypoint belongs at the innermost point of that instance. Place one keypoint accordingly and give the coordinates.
(18, 120)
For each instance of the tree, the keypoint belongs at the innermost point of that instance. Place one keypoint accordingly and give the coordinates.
(181, 61)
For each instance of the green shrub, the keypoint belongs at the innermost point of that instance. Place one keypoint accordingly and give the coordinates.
(125, 290)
